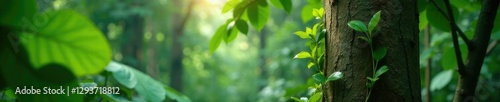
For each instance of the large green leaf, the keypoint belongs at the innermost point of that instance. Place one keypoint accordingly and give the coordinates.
(68, 39)
(436, 19)
(19, 73)
(149, 88)
(231, 33)
(14, 11)
(423, 20)
(441, 79)
(217, 38)
(283, 4)
(449, 60)
(122, 74)
(258, 13)
(175, 95)
(230, 5)
(306, 13)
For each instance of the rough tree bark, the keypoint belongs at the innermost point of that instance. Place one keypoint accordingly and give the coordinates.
(350, 55)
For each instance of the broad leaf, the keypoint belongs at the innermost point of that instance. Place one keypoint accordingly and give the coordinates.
(258, 13)
(381, 71)
(306, 13)
(441, 79)
(379, 53)
(374, 21)
(148, 88)
(14, 11)
(242, 26)
(335, 76)
(319, 77)
(175, 95)
(217, 38)
(318, 12)
(231, 33)
(436, 19)
(69, 39)
(122, 74)
(321, 35)
(449, 59)
(303, 54)
(230, 5)
(283, 4)
(357, 25)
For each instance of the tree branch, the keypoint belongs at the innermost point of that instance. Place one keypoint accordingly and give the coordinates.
(468, 81)
(454, 37)
(462, 34)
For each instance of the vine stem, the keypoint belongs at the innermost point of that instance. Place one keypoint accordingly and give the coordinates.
(367, 97)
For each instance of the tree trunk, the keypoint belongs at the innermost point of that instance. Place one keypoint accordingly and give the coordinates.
(348, 54)
(177, 54)
(132, 47)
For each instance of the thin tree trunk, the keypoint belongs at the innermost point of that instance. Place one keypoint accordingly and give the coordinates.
(132, 47)
(348, 54)
(467, 82)
(428, 95)
(177, 54)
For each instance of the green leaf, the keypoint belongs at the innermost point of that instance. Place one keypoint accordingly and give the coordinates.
(122, 74)
(315, 30)
(258, 13)
(315, 97)
(423, 20)
(217, 38)
(319, 77)
(242, 26)
(357, 25)
(441, 79)
(318, 12)
(422, 5)
(364, 38)
(335, 76)
(230, 5)
(303, 54)
(306, 13)
(436, 19)
(175, 95)
(310, 64)
(449, 60)
(14, 11)
(283, 4)
(322, 35)
(374, 21)
(381, 71)
(69, 39)
(372, 80)
(231, 33)
(148, 88)
(18, 73)
(379, 53)
(302, 34)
